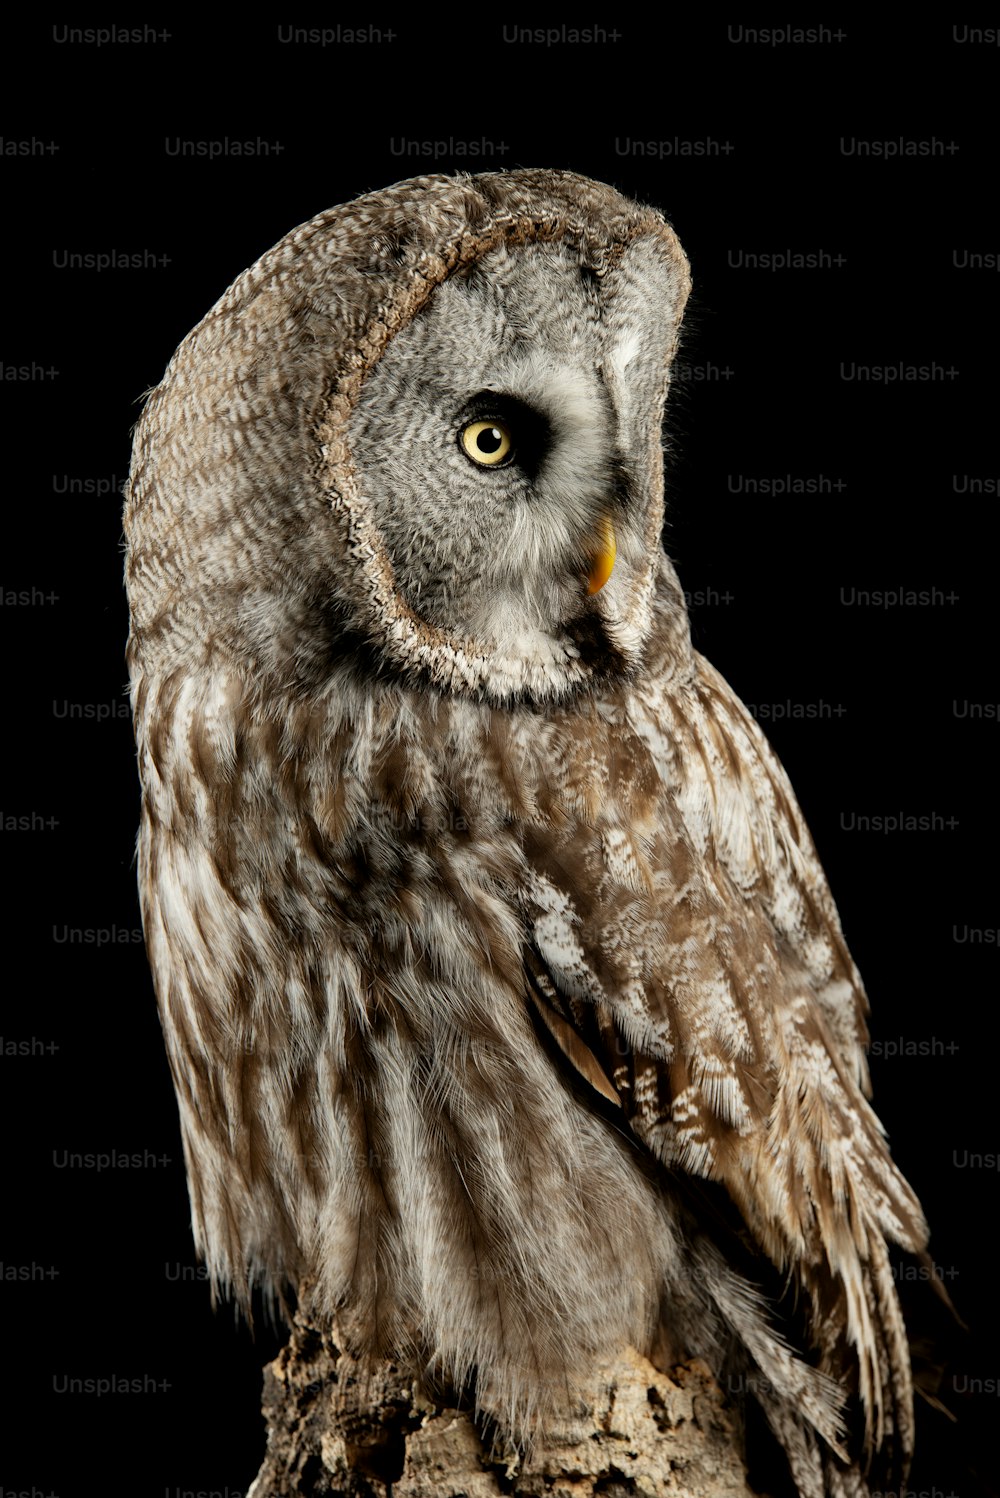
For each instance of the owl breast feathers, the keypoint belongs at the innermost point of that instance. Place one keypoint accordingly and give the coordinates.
(508, 1010)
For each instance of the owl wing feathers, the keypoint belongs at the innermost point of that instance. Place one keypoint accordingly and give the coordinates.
(692, 962)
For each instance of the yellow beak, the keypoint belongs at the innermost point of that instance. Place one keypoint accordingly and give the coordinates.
(603, 558)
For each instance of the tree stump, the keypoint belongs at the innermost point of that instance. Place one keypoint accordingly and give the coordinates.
(637, 1432)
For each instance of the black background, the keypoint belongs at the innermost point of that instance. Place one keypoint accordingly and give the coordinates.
(752, 152)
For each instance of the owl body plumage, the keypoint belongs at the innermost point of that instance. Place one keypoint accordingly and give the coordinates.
(485, 927)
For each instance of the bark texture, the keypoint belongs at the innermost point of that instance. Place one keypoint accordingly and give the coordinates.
(637, 1433)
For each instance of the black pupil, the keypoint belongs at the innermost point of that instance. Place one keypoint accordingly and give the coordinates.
(489, 440)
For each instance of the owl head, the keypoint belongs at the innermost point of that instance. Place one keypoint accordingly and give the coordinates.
(421, 435)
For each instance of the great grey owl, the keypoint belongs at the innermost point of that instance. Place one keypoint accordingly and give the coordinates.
(507, 1006)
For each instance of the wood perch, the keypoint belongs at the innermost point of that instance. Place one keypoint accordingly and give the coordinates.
(333, 1434)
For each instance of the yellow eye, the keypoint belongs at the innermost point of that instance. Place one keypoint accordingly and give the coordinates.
(487, 443)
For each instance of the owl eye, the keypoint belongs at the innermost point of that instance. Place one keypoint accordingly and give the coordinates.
(488, 443)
